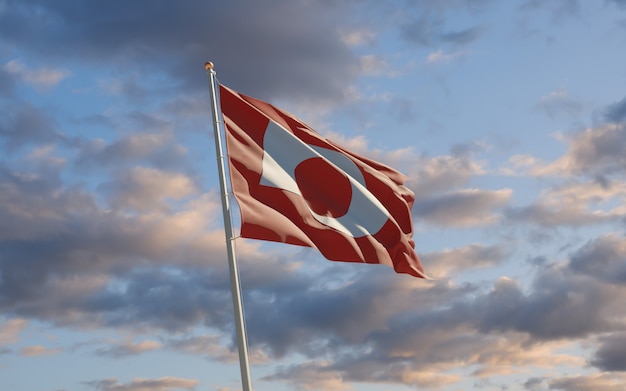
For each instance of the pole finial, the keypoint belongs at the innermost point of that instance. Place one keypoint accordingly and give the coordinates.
(208, 65)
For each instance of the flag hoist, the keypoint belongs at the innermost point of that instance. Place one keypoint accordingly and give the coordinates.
(240, 325)
(294, 186)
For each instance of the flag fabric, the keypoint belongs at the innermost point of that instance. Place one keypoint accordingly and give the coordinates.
(294, 186)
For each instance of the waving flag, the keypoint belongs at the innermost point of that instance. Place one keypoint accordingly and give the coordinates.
(294, 186)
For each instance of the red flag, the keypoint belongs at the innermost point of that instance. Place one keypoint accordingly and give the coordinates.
(294, 186)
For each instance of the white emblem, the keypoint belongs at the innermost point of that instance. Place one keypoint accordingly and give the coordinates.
(284, 152)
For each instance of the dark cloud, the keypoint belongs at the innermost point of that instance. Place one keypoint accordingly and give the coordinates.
(24, 124)
(312, 321)
(7, 84)
(293, 46)
(429, 31)
(59, 250)
(152, 299)
(427, 27)
(611, 356)
(462, 37)
(501, 327)
(616, 112)
(534, 383)
(598, 151)
(560, 306)
(603, 258)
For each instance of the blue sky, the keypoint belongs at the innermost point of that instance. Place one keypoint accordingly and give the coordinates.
(508, 117)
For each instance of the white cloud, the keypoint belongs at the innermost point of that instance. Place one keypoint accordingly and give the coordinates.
(440, 56)
(11, 329)
(358, 37)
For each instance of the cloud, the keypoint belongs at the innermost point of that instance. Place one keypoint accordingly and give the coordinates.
(7, 83)
(211, 347)
(315, 320)
(594, 382)
(37, 350)
(358, 37)
(429, 31)
(25, 125)
(455, 261)
(173, 38)
(463, 208)
(10, 330)
(425, 351)
(129, 349)
(501, 331)
(616, 112)
(611, 356)
(311, 376)
(42, 78)
(157, 149)
(144, 188)
(440, 57)
(62, 251)
(559, 103)
(441, 173)
(375, 65)
(560, 306)
(604, 258)
(160, 384)
(575, 204)
(598, 151)
(462, 37)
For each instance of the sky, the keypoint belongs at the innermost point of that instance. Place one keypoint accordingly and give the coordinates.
(509, 118)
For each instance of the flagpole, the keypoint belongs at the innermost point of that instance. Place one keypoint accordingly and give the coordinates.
(235, 288)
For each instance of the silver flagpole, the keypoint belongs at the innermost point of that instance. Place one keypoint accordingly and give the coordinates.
(235, 289)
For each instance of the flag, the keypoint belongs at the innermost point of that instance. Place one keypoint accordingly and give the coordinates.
(294, 186)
